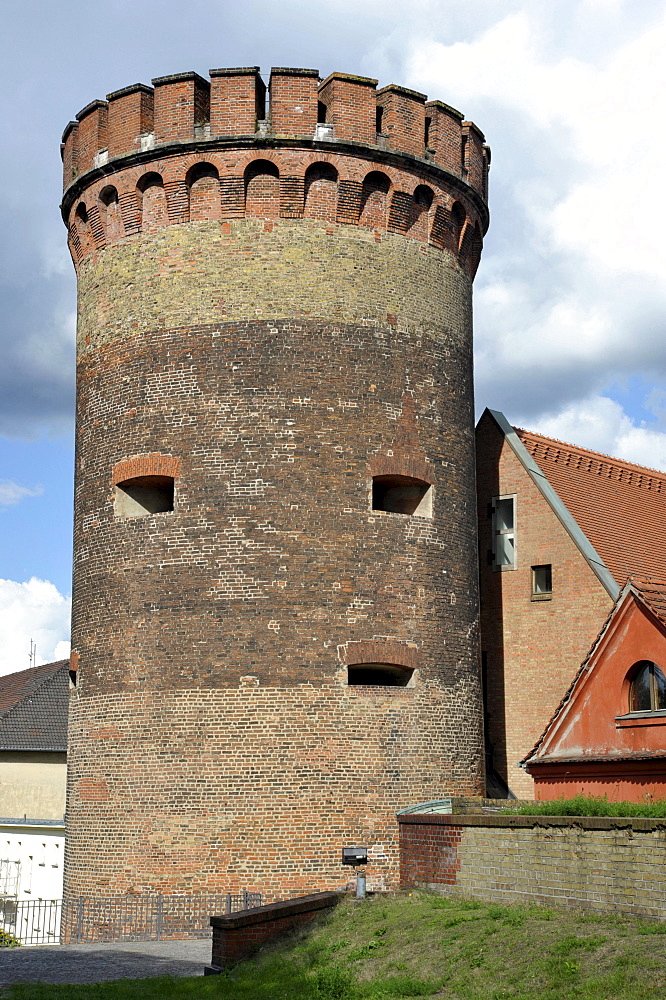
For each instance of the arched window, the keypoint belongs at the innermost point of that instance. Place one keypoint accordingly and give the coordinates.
(153, 201)
(475, 248)
(647, 692)
(458, 218)
(262, 190)
(423, 197)
(321, 192)
(203, 181)
(109, 211)
(374, 200)
(82, 234)
(378, 674)
(421, 203)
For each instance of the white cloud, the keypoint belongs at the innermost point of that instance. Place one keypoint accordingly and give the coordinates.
(570, 295)
(600, 423)
(11, 493)
(506, 63)
(32, 610)
(61, 651)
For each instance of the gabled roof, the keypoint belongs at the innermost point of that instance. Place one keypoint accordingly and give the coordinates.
(14, 687)
(33, 708)
(557, 505)
(651, 594)
(620, 507)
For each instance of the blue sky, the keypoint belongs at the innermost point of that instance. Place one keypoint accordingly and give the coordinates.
(570, 299)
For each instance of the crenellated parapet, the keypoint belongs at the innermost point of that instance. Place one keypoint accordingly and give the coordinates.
(338, 150)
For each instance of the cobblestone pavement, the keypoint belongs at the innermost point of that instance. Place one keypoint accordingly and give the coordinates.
(96, 963)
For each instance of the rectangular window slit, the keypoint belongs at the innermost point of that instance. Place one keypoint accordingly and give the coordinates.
(542, 582)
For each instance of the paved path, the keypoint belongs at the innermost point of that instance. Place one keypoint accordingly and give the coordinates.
(96, 963)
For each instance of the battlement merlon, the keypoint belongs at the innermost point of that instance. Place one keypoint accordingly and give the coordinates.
(184, 107)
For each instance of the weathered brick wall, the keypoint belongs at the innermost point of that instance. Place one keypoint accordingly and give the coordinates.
(301, 270)
(532, 648)
(260, 181)
(268, 363)
(594, 862)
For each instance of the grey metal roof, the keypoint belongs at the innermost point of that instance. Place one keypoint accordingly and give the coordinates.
(38, 720)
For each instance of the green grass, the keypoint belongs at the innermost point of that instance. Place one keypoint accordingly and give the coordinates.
(591, 805)
(423, 945)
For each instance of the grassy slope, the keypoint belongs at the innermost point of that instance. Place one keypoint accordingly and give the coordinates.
(429, 946)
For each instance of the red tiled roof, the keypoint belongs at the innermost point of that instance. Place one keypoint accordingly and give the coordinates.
(15, 687)
(653, 593)
(621, 507)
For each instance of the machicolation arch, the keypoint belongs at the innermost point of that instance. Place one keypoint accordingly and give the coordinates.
(200, 194)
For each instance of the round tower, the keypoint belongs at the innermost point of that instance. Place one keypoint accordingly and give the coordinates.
(275, 583)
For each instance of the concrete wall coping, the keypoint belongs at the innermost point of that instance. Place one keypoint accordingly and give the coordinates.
(276, 911)
(640, 824)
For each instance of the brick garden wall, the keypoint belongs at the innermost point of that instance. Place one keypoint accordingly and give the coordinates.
(594, 862)
(236, 936)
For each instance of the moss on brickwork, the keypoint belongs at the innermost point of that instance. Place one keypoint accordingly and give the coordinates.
(301, 268)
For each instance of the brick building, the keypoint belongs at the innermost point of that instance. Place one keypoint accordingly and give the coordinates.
(561, 529)
(275, 607)
(608, 734)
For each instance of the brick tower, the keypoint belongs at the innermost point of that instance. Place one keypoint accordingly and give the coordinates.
(275, 584)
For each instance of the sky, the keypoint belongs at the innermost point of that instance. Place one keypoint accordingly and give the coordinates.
(570, 298)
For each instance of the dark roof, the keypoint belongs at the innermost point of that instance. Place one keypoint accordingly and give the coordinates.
(14, 687)
(620, 507)
(33, 708)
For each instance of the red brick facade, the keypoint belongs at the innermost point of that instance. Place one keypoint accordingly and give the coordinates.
(268, 318)
(598, 742)
(531, 648)
(240, 934)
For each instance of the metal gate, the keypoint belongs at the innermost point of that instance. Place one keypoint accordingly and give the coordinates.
(116, 918)
(29, 921)
(149, 918)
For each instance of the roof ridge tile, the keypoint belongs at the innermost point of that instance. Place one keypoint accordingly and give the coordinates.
(535, 440)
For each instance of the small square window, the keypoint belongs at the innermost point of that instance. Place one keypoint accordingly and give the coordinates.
(542, 582)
